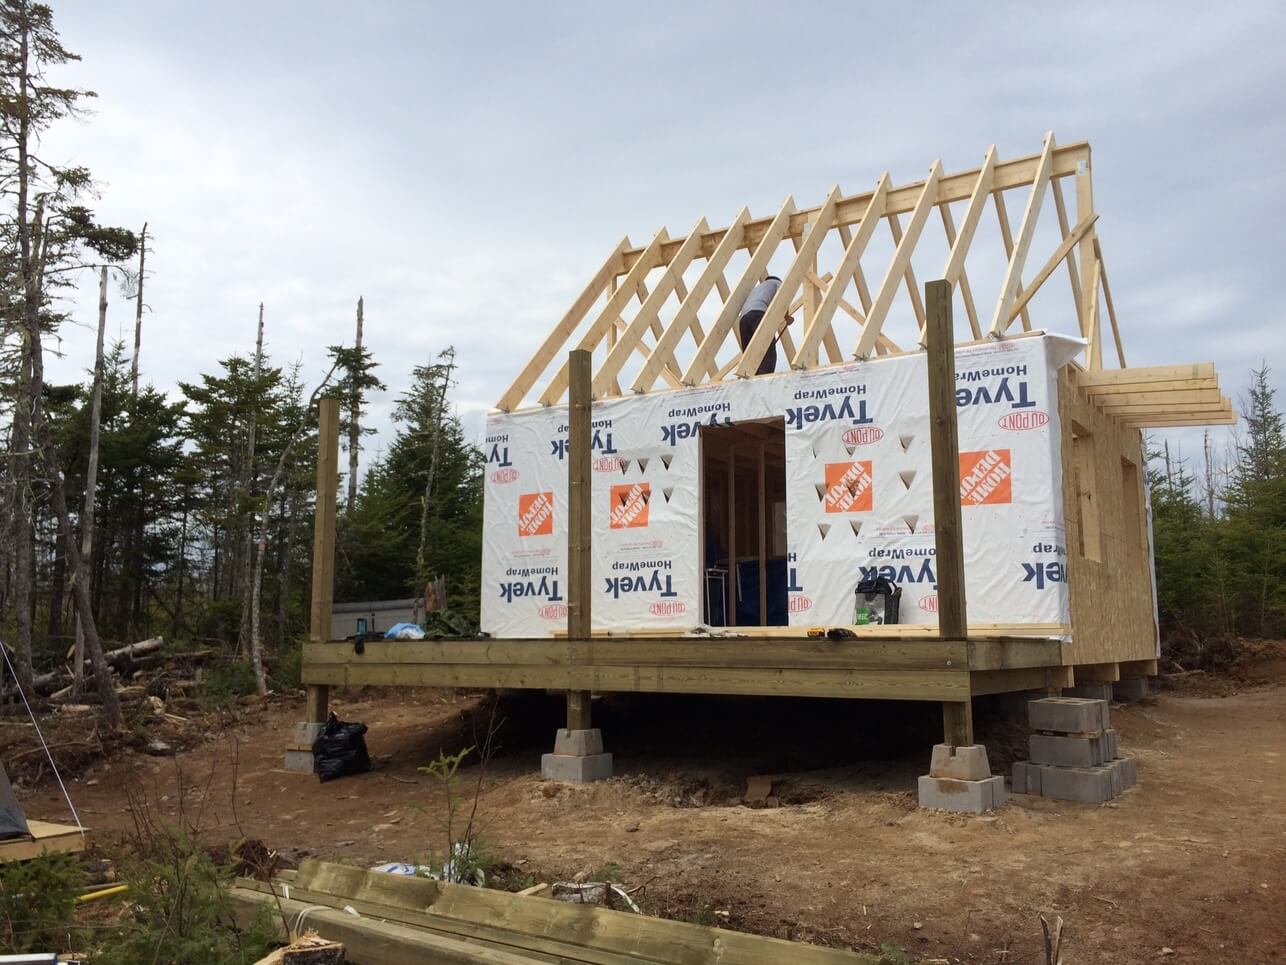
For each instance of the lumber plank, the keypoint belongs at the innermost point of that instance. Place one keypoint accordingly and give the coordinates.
(1060, 254)
(1008, 681)
(556, 339)
(1104, 380)
(1013, 173)
(46, 838)
(945, 459)
(1022, 244)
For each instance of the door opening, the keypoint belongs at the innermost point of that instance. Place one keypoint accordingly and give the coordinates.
(743, 517)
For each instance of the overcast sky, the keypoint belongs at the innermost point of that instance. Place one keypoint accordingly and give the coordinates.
(467, 167)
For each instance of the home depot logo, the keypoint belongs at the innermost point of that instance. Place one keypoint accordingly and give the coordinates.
(1022, 421)
(536, 514)
(986, 477)
(862, 435)
(629, 506)
(849, 487)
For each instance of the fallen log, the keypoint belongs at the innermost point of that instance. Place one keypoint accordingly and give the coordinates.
(120, 659)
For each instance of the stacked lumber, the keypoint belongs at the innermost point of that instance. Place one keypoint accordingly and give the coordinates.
(391, 920)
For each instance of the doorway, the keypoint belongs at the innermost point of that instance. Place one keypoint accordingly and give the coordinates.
(743, 523)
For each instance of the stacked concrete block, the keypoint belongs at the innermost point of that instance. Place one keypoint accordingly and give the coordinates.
(1136, 688)
(299, 754)
(578, 757)
(960, 779)
(1073, 754)
(1094, 691)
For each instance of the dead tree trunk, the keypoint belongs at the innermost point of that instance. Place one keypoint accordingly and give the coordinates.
(91, 475)
(355, 414)
(24, 536)
(138, 313)
(247, 490)
(421, 562)
(256, 642)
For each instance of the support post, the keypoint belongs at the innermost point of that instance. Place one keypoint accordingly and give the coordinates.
(299, 756)
(957, 716)
(578, 748)
(579, 527)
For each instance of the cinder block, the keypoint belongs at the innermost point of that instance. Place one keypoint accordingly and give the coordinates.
(1067, 715)
(1129, 770)
(306, 734)
(968, 763)
(578, 743)
(575, 770)
(1091, 691)
(1109, 736)
(1067, 751)
(301, 762)
(1026, 779)
(970, 797)
(1134, 689)
(1091, 785)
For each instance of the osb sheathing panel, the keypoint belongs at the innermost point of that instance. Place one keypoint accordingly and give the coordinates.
(1111, 597)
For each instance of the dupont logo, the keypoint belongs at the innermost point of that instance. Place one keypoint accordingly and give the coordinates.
(929, 604)
(629, 506)
(667, 608)
(502, 476)
(849, 487)
(863, 435)
(1021, 421)
(798, 603)
(607, 464)
(986, 477)
(553, 611)
(536, 514)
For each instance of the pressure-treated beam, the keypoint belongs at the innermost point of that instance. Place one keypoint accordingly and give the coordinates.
(753, 274)
(775, 315)
(897, 268)
(954, 187)
(1013, 275)
(611, 312)
(563, 330)
(1060, 253)
(806, 356)
(648, 314)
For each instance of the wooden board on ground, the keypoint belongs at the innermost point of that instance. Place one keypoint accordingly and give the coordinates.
(46, 838)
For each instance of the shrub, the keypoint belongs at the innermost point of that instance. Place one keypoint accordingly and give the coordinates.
(229, 680)
(37, 900)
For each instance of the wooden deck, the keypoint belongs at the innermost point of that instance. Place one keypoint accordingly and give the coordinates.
(45, 838)
(878, 669)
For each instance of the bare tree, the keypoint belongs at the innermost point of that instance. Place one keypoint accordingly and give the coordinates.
(445, 367)
(91, 476)
(261, 547)
(354, 417)
(248, 480)
(138, 313)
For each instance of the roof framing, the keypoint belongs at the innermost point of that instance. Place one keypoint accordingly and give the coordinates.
(675, 280)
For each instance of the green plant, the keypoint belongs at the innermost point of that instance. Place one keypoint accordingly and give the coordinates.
(891, 954)
(287, 674)
(610, 872)
(702, 916)
(37, 899)
(225, 682)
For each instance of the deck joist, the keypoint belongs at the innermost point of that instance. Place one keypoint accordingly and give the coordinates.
(897, 669)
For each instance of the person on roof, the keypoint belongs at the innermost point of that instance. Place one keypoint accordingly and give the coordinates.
(752, 312)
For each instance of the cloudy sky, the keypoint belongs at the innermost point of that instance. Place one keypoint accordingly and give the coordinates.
(467, 167)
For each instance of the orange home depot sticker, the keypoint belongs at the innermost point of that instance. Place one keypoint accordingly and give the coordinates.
(986, 477)
(536, 514)
(850, 487)
(629, 506)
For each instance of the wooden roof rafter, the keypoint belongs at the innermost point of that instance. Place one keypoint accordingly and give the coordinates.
(679, 335)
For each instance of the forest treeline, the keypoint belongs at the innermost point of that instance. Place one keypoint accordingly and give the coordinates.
(130, 510)
(1220, 536)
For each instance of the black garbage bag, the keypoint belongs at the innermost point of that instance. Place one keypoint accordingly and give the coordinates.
(341, 749)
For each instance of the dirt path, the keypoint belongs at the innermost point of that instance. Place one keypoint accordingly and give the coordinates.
(1193, 860)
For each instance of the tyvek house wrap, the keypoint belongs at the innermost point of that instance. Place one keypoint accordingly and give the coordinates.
(859, 494)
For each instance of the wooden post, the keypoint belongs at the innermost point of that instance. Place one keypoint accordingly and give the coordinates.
(324, 545)
(579, 522)
(957, 717)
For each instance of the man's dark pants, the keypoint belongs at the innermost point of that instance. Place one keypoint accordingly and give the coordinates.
(746, 331)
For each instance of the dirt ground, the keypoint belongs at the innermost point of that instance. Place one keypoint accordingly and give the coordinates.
(1188, 866)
